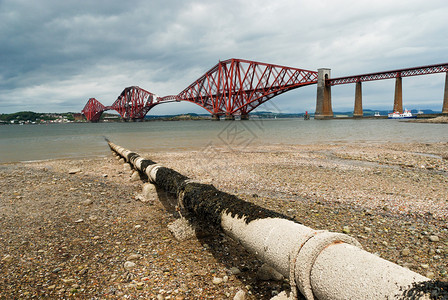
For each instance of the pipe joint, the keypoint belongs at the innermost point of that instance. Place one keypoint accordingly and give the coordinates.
(151, 172)
(138, 163)
(311, 247)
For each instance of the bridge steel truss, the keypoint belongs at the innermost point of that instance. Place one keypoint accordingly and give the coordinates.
(232, 87)
(93, 110)
(425, 70)
(132, 104)
(237, 86)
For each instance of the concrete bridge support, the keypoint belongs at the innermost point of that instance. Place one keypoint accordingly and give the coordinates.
(445, 97)
(358, 113)
(229, 117)
(323, 101)
(398, 99)
(215, 117)
(244, 116)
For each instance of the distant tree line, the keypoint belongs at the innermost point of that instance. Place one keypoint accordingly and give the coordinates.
(34, 117)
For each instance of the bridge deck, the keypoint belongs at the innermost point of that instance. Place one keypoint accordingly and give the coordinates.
(424, 70)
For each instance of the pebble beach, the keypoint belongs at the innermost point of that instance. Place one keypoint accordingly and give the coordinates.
(81, 229)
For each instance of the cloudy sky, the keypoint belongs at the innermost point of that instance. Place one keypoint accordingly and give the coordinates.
(55, 54)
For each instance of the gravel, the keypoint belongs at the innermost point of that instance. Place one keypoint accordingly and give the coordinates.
(67, 233)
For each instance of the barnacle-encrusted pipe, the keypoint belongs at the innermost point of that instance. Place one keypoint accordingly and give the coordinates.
(319, 264)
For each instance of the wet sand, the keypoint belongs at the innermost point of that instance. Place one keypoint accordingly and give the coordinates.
(71, 227)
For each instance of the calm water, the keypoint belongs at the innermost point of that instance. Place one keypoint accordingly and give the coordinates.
(39, 142)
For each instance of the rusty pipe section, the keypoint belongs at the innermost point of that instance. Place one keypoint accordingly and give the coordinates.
(319, 264)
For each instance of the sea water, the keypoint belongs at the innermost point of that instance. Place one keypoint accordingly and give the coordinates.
(76, 140)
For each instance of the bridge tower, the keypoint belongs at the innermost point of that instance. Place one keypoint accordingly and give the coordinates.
(445, 97)
(398, 98)
(358, 113)
(323, 101)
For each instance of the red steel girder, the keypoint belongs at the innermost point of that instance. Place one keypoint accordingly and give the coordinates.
(238, 86)
(424, 70)
(134, 103)
(93, 110)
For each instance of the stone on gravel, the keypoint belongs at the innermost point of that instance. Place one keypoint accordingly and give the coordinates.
(346, 229)
(7, 258)
(134, 257)
(129, 265)
(234, 271)
(266, 273)
(87, 202)
(74, 171)
(68, 281)
(282, 296)
(240, 295)
(182, 229)
(135, 176)
(217, 280)
(405, 252)
(434, 238)
(149, 191)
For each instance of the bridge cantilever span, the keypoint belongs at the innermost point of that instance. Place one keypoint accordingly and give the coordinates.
(238, 86)
(93, 110)
(132, 104)
(232, 87)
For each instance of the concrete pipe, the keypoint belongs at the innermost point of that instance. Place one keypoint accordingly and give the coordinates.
(318, 263)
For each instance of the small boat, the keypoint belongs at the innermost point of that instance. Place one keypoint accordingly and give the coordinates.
(377, 114)
(405, 115)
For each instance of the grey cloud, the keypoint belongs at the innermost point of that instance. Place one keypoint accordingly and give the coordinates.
(57, 54)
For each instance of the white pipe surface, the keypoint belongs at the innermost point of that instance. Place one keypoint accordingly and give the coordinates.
(343, 271)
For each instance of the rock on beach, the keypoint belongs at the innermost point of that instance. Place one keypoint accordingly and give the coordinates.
(129, 265)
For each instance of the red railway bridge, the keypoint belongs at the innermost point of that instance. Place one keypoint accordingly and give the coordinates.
(236, 87)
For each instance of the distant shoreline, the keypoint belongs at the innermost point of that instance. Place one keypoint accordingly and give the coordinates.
(437, 120)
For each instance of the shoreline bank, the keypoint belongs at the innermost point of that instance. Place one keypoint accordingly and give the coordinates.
(84, 219)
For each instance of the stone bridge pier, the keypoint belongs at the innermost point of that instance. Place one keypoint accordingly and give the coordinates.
(445, 97)
(323, 101)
